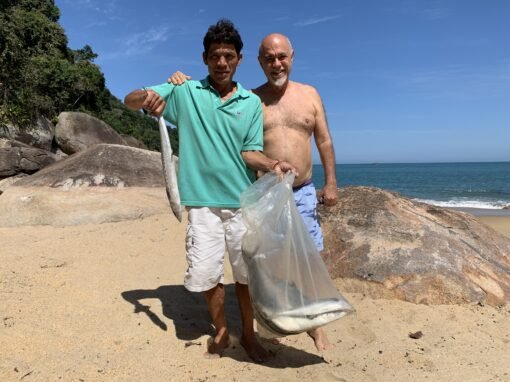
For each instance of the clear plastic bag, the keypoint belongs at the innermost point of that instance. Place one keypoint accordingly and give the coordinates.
(289, 284)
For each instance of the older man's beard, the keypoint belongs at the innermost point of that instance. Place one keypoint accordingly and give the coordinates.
(279, 82)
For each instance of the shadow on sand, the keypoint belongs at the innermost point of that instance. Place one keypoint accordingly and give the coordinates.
(189, 314)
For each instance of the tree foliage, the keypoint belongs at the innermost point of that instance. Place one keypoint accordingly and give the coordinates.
(41, 75)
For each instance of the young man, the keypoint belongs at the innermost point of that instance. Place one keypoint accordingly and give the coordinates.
(220, 137)
(293, 113)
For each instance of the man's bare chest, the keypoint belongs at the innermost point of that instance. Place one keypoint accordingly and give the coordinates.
(292, 116)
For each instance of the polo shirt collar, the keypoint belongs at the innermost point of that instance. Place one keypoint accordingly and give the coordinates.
(240, 92)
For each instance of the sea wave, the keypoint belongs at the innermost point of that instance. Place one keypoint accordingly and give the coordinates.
(489, 205)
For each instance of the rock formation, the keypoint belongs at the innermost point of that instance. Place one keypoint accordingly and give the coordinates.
(77, 131)
(104, 183)
(37, 146)
(388, 246)
(39, 135)
(17, 157)
(7, 182)
(133, 142)
(102, 165)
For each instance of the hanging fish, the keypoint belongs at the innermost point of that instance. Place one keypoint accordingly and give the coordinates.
(170, 170)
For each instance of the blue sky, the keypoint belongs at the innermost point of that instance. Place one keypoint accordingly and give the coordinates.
(401, 80)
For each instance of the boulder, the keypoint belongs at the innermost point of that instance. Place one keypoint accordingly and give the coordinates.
(39, 135)
(22, 206)
(17, 157)
(104, 183)
(386, 245)
(133, 142)
(102, 165)
(59, 153)
(7, 182)
(76, 131)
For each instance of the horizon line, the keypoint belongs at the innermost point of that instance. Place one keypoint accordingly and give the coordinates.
(440, 162)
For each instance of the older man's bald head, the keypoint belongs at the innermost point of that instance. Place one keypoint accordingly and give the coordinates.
(273, 39)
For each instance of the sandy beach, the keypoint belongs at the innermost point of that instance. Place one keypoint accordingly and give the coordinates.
(499, 223)
(106, 303)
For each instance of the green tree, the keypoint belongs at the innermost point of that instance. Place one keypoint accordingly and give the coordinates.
(41, 75)
(84, 54)
(28, 30)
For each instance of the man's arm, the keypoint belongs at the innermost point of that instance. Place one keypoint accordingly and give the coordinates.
(258, 161)
(326, 151)
(145, 99)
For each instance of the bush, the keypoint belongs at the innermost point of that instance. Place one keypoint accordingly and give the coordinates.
(42, 76)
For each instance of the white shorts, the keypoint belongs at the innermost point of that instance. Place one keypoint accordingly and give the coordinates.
(209, 232)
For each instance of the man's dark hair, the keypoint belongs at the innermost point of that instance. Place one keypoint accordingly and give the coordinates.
(223, 32)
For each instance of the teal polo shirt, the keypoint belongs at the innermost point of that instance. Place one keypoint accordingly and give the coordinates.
(212, 135)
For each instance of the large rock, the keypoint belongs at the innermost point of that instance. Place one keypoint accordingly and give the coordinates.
(77, 131)
(105, 183)
(39, 135)
(21, 206)
(7, 182)
(389, 246)
(133, 142)
(17, 157)
(102, 165)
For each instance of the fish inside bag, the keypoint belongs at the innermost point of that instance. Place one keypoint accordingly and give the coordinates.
(289, 284)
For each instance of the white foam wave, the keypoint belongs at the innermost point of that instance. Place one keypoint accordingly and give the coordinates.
(489, 205)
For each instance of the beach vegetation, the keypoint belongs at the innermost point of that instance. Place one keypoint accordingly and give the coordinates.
(42, 76)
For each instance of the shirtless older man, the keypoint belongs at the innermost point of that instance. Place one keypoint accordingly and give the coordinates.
(293, 113)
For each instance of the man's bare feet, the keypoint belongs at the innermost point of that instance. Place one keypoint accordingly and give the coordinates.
(216, 345)
(320, 339)
(254, 349)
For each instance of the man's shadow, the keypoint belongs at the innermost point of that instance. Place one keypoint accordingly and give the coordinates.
(187, 310)
(191, 319)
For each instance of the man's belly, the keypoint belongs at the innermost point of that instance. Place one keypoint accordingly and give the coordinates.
(303, 169)
(292, 147)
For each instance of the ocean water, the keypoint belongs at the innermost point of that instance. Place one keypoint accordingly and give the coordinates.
(464, 185)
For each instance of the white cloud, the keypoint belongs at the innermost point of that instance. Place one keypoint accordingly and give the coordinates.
(138, 43)
(435, 13)
(457, 81)
(104, 6)
(281, 18)
(144, 42)
(107, 10)
(316, 20)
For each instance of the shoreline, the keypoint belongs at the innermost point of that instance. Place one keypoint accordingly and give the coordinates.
(483, 211)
